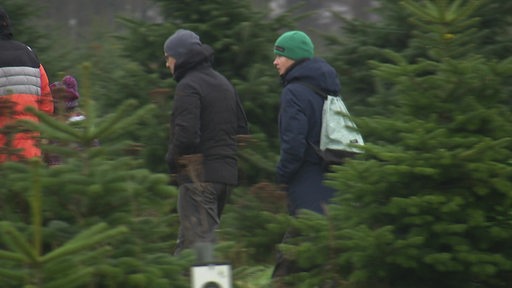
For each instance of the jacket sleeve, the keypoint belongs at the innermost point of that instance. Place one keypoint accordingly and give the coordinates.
(46, 101)
(185, 125)
(293, 127)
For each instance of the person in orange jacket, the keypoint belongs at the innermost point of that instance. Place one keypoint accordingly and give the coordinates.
(23, 83)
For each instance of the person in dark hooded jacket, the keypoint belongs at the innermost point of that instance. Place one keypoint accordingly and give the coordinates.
(206, 118)
(300, 169)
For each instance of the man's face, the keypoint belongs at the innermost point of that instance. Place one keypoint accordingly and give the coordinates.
(169, 63)
(282, 64)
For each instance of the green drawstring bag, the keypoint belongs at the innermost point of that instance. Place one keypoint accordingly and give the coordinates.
(339, 132)
(339, 138)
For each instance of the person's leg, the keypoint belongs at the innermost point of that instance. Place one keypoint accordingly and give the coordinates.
(223, 193)
(284, 266)
(199, 208)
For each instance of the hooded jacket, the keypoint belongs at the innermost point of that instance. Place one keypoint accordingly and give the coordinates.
(23, 83)
(300, 122)
(206, 117)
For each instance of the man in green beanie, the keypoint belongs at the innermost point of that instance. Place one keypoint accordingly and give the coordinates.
(292, 46)
(300, 168)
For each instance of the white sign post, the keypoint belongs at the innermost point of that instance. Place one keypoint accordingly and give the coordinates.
(208, 274)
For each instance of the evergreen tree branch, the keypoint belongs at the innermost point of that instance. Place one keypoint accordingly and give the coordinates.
(75, 245)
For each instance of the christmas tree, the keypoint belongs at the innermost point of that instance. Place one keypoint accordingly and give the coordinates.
(429, 203)
(73, 205)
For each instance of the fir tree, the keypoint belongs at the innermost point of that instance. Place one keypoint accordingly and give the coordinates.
(360, 41)
(69, 265)
(95, 184)
(430, 204)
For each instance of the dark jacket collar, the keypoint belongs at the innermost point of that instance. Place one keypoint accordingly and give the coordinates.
(193, 59)
(295, 64)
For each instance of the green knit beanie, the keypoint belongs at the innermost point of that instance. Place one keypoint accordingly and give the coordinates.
(294, 45)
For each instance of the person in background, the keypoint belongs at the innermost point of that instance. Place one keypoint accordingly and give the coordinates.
(23, 83)
(66, 109)
(66, 97)
(300, 169)
(206, 118)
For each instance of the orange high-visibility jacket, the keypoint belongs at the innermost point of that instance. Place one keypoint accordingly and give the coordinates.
(23, 83)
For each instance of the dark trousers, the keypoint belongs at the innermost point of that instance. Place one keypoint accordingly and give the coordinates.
(200, 207)
(284, 266)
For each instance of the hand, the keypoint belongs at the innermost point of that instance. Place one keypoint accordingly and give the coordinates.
(243, 140)
(193, 164)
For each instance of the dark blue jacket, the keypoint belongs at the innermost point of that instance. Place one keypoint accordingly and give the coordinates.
(300, 120)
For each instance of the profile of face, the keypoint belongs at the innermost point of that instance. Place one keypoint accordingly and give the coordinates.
(169, 63)
(282, 64)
